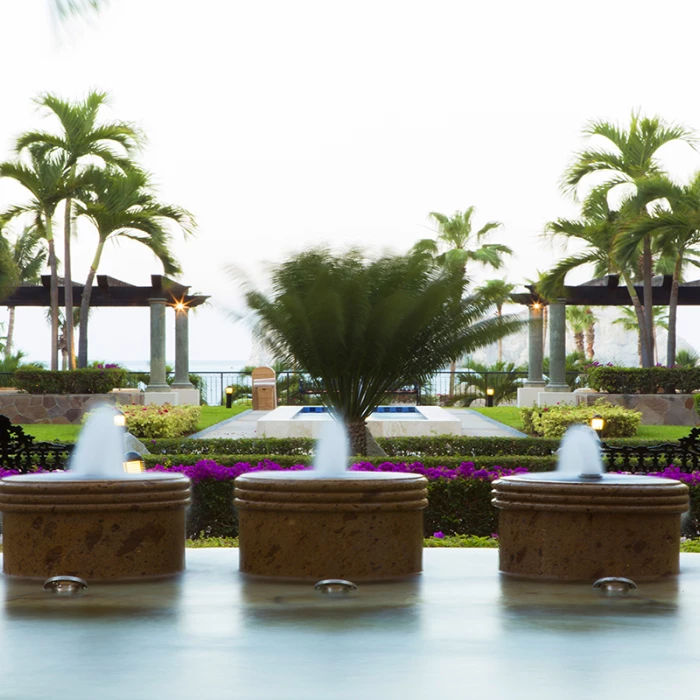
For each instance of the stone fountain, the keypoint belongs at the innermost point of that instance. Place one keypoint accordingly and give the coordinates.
(330, 523)
(578, 524)
(94, 521)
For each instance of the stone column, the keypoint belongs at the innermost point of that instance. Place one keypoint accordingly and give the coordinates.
(535, 348)
(182, 349)
(557, 347)
(157, 381)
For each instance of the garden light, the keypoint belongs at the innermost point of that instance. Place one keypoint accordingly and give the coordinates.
(598, 423)
(229, 396)
(133, 463)
(489, 397)
(119, 419)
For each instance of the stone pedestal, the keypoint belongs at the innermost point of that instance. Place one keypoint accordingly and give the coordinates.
(99, 530)
(551, 527)
(364, 527)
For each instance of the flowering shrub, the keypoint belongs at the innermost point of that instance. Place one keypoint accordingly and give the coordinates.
(552, 421)
(164, 421)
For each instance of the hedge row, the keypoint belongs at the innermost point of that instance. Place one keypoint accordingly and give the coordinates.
(648, 380)
(530, 462)
(456, 506)
(77, 381)
(439, 446)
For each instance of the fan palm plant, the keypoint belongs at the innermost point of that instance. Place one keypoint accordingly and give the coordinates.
(631, 157)
(81, 142)
(29, 256)
(364, 329)
(120, 204)
(577, 318)
(458, 244)
(629, 321)
(505, 378)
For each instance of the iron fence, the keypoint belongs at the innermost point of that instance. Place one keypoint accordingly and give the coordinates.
(444, 388)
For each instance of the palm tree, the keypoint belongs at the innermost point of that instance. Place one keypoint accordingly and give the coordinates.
(630, 160)
(677, 233)
(460, 244)
(501, 290)
(43, 177)
(29, 256)
(82, 140)
(598, 228)
(120, 204)
(686, 358)
(577, 318)
(591, 320)
(363, 329)
(629, 321)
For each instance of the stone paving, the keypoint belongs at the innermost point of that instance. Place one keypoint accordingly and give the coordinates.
(473, 424)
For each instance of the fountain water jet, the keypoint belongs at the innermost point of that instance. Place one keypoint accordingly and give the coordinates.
(580, 524)
(94, 520)
(330, 523)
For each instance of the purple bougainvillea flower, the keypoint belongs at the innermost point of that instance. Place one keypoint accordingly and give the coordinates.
(439, 535)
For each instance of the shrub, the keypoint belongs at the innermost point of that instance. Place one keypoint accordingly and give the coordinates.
(154, 421)
(647, 380)
(76, 381)
(552, 421)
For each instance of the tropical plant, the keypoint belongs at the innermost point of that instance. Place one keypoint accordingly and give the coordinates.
(630, 159)
(458, 244)
(577, 320)
(676, 232)
(501, 291)
(81, 143)
(687, 358)
(29, 256)
(629, 321)
(362, 329)
(505, 378)
(120, 204)
(42, 174)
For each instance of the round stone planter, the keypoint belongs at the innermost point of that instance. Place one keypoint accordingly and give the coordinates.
(99, 530)
(367, 526)
(576, 529)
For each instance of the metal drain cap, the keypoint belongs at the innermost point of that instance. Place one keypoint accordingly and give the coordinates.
(65, 585)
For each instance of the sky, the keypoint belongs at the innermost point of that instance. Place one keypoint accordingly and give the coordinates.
(283, 125)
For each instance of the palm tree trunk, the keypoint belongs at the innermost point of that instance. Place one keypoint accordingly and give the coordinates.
(357, 432)
(672, 314)
(453, 370)
(85, 308)
(499, 312)
(639, 348)
(648, 306)
(53, 294)
(68, 283)
(647, 349)
(578, 339)
(10, 333)
(590, 341)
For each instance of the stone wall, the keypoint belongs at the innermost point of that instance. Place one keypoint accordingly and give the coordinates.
(656, 409)
(56, 408)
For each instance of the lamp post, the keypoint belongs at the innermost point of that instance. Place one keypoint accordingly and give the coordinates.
(133, 463)
(598, 424)
(489, 397)
(229, 396)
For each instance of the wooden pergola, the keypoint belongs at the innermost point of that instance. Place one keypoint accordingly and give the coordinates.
(113, 293)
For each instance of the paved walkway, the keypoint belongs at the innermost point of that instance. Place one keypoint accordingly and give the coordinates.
(473, 424)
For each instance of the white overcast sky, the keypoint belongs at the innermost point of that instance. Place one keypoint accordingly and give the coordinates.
(284, 124)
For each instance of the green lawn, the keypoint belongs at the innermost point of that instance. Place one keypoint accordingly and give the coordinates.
(509, 415)
(69, 433)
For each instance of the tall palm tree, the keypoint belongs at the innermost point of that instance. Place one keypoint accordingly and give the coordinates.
(591, 320)
(121, 204)
(629, 321)
(677, 233)
(458, 244)
(363, 329)
(501, 291)
(629, 159)
(599, 229)
(43, 177)
(29, 255)
(82, 140)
